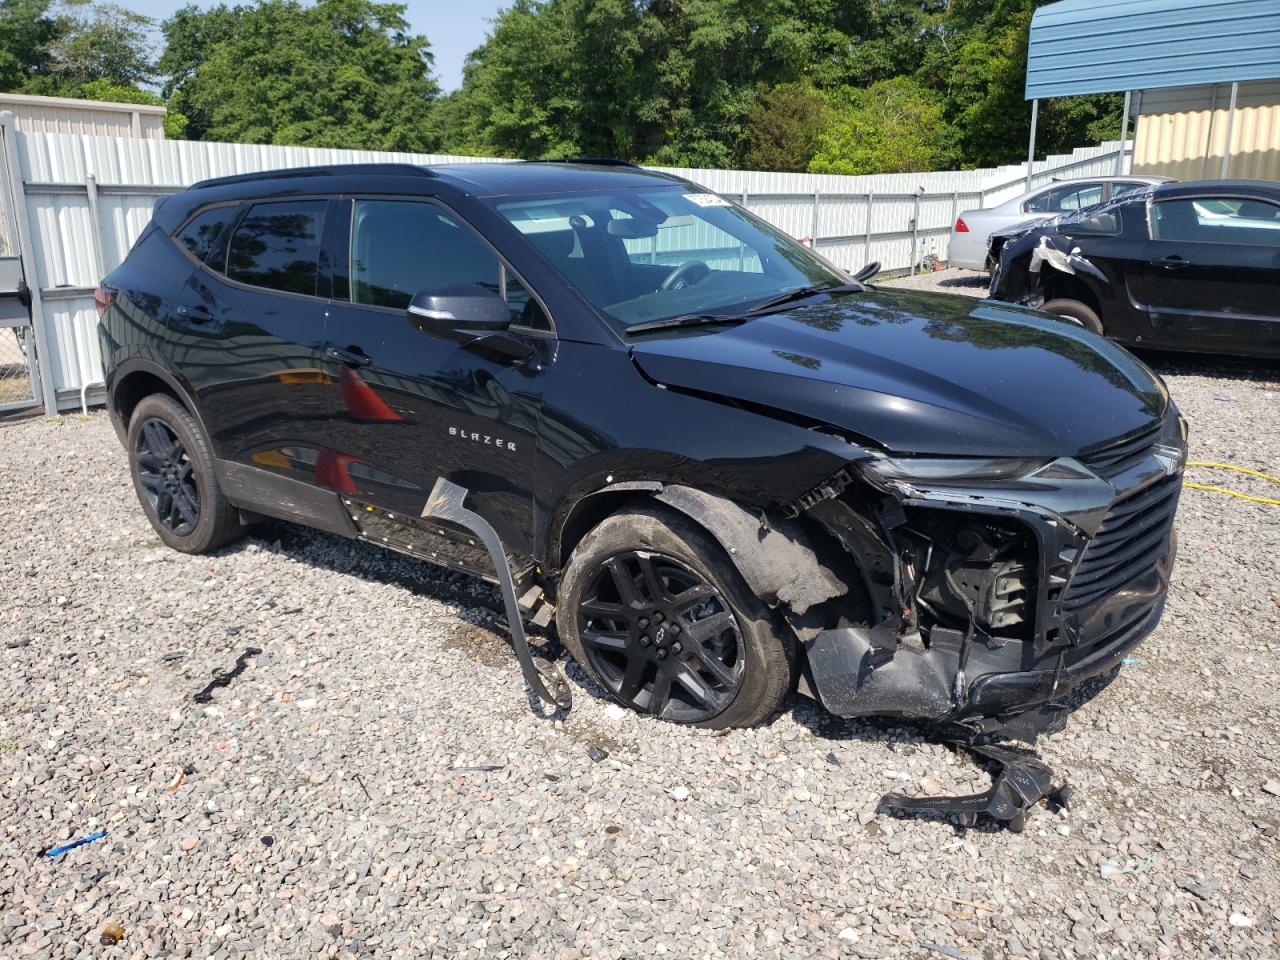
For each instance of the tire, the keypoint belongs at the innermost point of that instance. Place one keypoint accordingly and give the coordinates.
(1075, 310)
(179, 486)
(716, 651)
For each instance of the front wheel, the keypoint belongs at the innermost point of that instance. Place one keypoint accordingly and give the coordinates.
(659, 616)
(1077, 311)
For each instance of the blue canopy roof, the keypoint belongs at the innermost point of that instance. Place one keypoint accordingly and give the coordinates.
(1105, 46)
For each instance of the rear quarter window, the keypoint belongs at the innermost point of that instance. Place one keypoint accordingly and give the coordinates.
(277, 246)
(204, 235)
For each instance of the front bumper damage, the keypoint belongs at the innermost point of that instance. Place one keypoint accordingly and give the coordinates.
(1098, 549)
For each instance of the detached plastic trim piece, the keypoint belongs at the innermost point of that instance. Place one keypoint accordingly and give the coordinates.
(447, 503)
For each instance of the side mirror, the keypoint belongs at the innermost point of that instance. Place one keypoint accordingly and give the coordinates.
(460, 312)
(867, 272)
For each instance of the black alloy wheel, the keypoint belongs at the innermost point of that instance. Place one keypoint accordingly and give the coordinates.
(661, 637)
(167, 477)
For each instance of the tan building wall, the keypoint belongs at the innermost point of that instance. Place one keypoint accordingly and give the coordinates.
(64, 115)
(1182, 132)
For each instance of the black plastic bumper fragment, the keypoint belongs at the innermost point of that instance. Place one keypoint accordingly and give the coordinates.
(1021, 782)
(447, 503)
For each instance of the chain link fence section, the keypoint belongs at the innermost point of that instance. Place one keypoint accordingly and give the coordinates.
(17, 387)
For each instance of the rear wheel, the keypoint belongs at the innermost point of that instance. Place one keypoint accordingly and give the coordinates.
(656, 612)
(172, 467)
(1075, 310)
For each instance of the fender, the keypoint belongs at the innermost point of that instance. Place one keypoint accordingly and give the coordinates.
(143, 365)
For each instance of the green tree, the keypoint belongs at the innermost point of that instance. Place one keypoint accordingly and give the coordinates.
(785, 124)
(893, 126)
(26, 32)
(340, 73)
(101, 42)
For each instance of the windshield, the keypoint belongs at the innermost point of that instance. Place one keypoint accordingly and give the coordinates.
(651, 254)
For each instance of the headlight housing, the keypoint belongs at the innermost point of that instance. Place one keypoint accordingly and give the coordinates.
(952, 470)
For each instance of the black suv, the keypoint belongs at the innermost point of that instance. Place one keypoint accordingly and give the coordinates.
(723, 465)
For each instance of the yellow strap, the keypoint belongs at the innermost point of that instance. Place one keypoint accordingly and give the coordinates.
(1230, 466)
(1232, 493)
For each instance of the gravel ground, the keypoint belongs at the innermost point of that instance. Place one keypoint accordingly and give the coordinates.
(969, 283)
(374, 783)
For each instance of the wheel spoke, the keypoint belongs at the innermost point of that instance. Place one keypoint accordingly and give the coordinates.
(717, 668)
(690, 597)
(698, 688)
(157, 442)
(150, 461)
(632, 679)
(186, 510)
(650, 577)
(151, 482)
(622, 581)
(604, 610)
(710, 627)
(661, 692)
(606, 639)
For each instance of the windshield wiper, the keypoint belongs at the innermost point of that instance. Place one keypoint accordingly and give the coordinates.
(800, 293)
(686, 320)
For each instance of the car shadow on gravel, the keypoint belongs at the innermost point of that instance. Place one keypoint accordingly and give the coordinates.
(1169, 364)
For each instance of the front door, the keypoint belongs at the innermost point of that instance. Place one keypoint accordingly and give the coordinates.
(1213, 265)
(414, 406)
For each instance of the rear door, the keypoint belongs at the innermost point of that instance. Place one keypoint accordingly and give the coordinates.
(254, 312)
(1213, 272)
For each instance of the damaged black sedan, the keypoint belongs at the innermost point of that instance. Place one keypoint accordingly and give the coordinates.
(1181, 266)
(721, 466)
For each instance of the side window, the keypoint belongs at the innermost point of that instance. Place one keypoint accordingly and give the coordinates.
(680, 239)
(277, 246)
(399, 247)
(204, 234)
(1064, 199)
(1124, 189)
(1237, 220)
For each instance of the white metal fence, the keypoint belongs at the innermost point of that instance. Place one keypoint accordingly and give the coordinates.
(76, 203)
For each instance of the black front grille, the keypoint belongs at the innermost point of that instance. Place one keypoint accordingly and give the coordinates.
(1130, 541)
(1114, 458)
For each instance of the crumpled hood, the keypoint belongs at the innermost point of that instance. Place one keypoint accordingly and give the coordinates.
(921, 373)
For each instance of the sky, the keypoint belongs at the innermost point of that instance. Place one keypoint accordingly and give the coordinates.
(454, 27)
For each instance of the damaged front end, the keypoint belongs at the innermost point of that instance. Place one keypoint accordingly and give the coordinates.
(988, 589)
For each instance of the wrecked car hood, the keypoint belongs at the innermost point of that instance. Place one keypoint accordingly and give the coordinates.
(921, 373)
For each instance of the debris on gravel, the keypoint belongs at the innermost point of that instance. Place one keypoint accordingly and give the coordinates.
(373, 782)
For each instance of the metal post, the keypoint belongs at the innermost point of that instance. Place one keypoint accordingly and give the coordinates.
(1231, 122)
(866, 257)
(1124, 133)
(1137, 126)
(915, 232)
(13, 174)
(813, 234)
(1208, 137)
(955, 215)
(1031, 149)
(95, 225)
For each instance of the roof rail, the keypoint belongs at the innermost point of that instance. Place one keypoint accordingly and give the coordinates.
(597, 161)
(327, 170)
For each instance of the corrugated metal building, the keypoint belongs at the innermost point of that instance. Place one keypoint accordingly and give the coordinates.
(97, 118)
(1203, 77)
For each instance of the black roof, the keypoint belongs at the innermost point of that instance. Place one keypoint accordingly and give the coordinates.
(477, 179)
(1265, 189)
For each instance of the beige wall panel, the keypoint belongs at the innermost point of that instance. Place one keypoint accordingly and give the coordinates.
(1182, 132)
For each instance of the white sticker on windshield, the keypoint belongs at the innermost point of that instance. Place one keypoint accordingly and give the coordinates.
(706, 200)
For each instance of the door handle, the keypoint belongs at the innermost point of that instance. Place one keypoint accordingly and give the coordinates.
(196, 314)
(352, 357)
(1171, 263)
